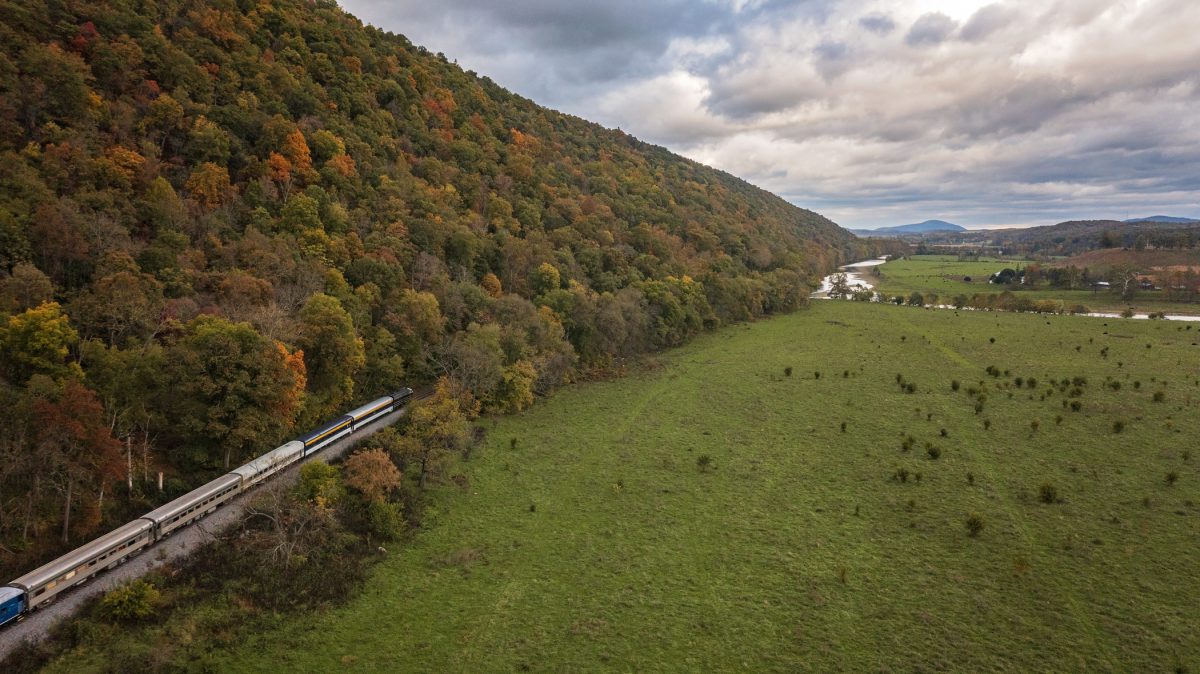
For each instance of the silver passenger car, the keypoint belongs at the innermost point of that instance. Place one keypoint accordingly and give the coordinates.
(193, 505)
(371, 411)
(268, 464)
(109, 550)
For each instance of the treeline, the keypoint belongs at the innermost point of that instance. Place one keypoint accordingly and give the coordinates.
(223, 222)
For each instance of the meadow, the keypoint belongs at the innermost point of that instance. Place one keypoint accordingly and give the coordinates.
(945, 275)
(854, 487)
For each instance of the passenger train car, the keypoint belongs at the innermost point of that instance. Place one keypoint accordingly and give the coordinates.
(41, 585)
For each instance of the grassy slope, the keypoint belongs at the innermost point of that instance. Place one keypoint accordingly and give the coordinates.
(943, 274)
(636, 560)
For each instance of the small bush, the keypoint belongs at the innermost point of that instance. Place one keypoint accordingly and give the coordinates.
(787, 371)
(945, 433)
(907, 444)
(954, 385)
(974, 525)
(843, 427)
(901, 475)
(136, 600)
(1034, 425)
(1075, 405)
(1048, 493)
(1118, 426)
(987, 424)
(816, 375)
(1058, 419)
(1171, 478)
(933, 451)
(1159, 396)
(704, 462)
(978, 408)
(971, 479)
(1019, 382)
(512, 443)
(1031, 382)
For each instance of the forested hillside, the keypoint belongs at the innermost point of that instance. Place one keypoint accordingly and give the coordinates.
(221, 222)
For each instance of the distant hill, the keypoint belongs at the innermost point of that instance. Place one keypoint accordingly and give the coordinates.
(1165, 218)
(916, 228)
(1078, 236)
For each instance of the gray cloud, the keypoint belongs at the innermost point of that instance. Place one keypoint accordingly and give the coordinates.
(878, 23)
(986, 21)
(1027, 112)
(930, 29)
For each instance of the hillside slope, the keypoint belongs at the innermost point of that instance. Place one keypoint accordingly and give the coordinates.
(222, 222)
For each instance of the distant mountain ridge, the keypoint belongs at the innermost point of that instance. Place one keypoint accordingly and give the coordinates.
(1164, 218)
(915, 228)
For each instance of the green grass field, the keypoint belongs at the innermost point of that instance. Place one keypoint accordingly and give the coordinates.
(598, 543)
(945, 274)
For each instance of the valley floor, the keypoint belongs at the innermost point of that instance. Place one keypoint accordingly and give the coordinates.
(715, 513)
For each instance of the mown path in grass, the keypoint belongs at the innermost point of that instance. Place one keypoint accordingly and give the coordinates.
(598, 543)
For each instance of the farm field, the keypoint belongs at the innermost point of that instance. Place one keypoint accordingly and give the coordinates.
(592, 534)
(944, 275)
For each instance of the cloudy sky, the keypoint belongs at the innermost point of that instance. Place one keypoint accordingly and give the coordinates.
(872, 112)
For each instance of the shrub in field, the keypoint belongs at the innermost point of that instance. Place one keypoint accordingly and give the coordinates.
(954, 385)
(974, 525)
(907, 444)
(987, 424)
(971, 479)
(978, 408)
(945, 433)
(787, 371)
(1019, 382)
(933, 451)
(843, 427)
(901, 475)
(1048, 493)
(1034, 425)
(704, 462)
(816, 375)
(1058, 419)
(1159, 396)
(1076, 405)
(910, 388)
(1171, 478)
(1118, 426)
(1031, 382)
(136, 600)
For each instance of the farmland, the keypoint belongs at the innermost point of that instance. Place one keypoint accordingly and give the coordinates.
(592, 533)
(947, 276)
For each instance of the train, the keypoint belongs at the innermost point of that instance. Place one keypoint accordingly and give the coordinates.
(41, 585)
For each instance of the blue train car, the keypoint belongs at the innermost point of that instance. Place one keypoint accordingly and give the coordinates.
(12, 603)
(327, 434)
